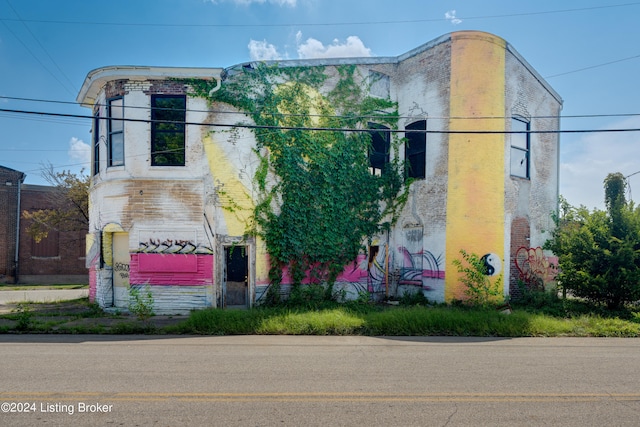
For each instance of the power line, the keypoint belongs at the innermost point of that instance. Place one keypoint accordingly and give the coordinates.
(189, 110)
(33, 54)
(322, 129)
(53, 61)
(311, 24)
(593, 66)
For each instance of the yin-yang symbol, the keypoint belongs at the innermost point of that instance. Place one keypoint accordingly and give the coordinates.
(492, 263)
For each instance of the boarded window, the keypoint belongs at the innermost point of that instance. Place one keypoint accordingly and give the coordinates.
(49, 247)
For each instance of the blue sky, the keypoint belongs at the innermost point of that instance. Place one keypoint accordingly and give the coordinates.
(588, 51)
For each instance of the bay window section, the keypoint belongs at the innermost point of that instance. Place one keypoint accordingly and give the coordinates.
(96, 142)
(115, 142)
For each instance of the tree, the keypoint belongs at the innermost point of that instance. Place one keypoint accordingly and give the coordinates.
(599, 251)
(69, 203)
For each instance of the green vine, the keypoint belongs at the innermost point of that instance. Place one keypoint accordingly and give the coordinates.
(317, 199)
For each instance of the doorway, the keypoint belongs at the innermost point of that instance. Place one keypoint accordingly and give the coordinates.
(120, 282)
(236, 277)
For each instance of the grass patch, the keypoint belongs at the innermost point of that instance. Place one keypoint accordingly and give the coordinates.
(403, 321)
(325, 322)
(554, 318)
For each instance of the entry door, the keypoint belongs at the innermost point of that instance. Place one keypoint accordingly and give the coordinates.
(236, 276)
(121, 269)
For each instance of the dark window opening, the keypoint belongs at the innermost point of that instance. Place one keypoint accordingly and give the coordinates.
(520, 148)
(116, 132)
(373, 253)
(168, 116)
(379, 149)
(415, 149)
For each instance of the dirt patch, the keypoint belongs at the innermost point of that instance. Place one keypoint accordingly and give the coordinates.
(77, 316)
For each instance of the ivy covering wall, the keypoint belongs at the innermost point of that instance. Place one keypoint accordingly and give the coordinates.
(318, 203)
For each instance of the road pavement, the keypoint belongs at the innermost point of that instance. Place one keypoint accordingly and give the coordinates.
(318, 381)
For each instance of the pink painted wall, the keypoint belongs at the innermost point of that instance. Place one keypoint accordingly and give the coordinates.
(171, 269)
(92, 283)
(353, 272)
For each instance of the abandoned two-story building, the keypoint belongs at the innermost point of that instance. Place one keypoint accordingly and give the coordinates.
(479, 136)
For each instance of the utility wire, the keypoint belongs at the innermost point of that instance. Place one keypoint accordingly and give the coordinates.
(189, 110)
(324, 129)
(311, 24)
(593, 66)
(53, 61)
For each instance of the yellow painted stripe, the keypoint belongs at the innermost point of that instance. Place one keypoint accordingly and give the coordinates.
(475, 194)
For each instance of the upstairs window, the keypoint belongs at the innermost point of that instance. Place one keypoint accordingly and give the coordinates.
(115, 142)
(378, 84)
(415, 149)
(520, 148)
(379, 148)
(168, 116)
(96, 142)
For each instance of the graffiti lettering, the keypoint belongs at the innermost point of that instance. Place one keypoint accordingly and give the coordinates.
(171, 246)
(414, 235)
(119, 266)
(122, 269)
(536, 270)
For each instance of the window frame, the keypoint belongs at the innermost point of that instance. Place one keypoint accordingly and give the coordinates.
(379, 161)
(416, 154)
(111, 133)
(96, 142)
(48, 247)
(520, 146)
(171, 127)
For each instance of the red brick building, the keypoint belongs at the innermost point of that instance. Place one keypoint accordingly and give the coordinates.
(60, 258)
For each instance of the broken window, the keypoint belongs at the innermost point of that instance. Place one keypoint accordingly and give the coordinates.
(168, 116)
(379, 148)
(378, 84)
(415, 149)
(520, 147)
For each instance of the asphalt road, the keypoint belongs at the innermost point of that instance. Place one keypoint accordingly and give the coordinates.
(318, 381)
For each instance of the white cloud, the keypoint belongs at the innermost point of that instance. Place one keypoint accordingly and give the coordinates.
(263, 51)
(587, 161)
(79, 151)
(312, 48)
(451, 16)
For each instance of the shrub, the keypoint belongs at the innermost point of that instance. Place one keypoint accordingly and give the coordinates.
(479, 288)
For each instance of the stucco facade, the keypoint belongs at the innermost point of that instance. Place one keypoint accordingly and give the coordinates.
(162, 221)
